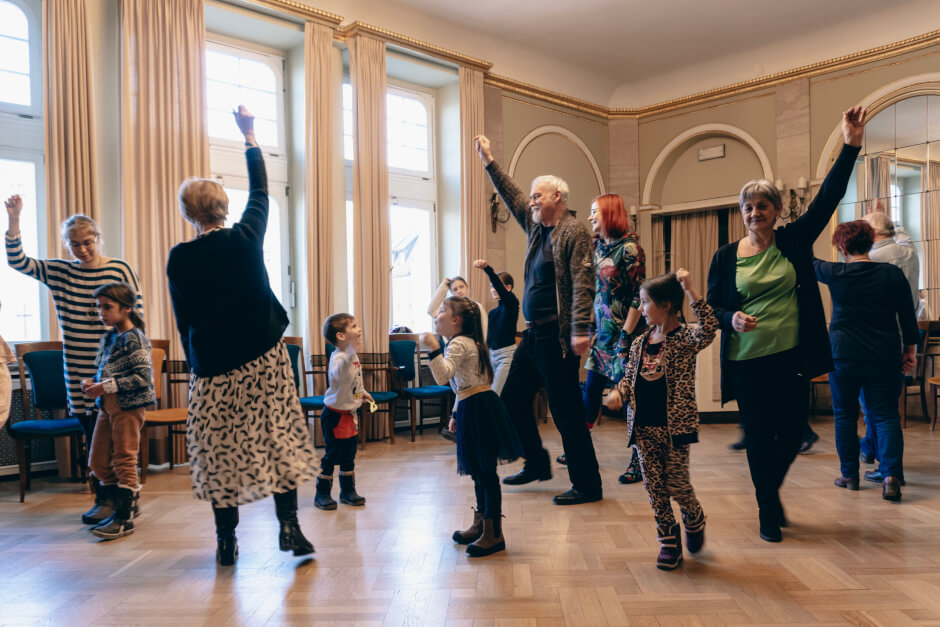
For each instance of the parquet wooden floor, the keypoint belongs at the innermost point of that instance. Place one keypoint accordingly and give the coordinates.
(847, 558)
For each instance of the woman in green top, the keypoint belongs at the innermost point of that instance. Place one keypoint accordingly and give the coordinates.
(763, 290)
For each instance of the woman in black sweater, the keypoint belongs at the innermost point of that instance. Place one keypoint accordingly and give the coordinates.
(246, 434)
(763, 290)
(869, 301)
(501, 333)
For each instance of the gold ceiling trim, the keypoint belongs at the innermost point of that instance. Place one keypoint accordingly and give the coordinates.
(815, 69)
(361, 28)
(305, 11)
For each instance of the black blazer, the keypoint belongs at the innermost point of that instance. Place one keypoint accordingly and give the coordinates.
(795, 241)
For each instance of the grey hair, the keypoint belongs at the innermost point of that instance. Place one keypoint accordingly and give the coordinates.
(881, 224)
(557, 184)
(203, 201)
(78, 222)
(761, 187)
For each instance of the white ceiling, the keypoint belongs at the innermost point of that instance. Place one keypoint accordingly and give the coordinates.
(649, 51)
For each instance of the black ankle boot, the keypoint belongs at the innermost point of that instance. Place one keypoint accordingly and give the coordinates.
(120, 523)
(323, 499)
(347, 489)
(290, 537)
(226, 519)
(104, 503)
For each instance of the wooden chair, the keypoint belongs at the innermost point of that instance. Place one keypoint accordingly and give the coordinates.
(168, 418)
(403, 354)
(43, 362)
(928, 350)
(934, 383)
(822, 379)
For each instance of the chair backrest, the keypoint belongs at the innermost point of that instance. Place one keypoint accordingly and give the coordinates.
(44, 363)
(157, 359)
(402, 354)
(296, 354)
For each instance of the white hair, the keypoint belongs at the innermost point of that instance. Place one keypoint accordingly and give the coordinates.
(555, 183)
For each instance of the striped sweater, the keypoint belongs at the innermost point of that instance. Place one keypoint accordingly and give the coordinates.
(124, 368)
(72, 287)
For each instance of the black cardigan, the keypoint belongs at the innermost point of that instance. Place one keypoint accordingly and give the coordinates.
(795, 241)
(225, 310)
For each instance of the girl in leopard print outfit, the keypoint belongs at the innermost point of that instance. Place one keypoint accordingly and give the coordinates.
(658, 388)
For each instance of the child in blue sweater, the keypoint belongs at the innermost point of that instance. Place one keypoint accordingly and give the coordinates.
(123, 388)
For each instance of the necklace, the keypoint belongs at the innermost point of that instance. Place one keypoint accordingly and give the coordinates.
(204, 233)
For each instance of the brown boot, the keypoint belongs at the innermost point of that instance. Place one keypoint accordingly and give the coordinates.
(490, 542)
(471, 533)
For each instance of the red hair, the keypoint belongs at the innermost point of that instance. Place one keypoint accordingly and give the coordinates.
(613, 215)
(854, 238)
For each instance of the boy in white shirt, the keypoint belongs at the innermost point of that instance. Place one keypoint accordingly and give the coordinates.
(340, 416)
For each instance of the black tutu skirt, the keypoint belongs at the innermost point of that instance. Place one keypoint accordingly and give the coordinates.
(486, 434)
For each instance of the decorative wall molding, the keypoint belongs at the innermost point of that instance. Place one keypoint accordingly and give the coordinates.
(545, 95)
(355, 28)
(697, 131)
(563, 132)
(297, 9)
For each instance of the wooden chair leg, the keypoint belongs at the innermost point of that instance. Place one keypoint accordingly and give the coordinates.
(933, 423)
(365, 427)
(144, 454)
(24, 469)
(414, 417)
(169, 444)
(391, 421)
(28, 456)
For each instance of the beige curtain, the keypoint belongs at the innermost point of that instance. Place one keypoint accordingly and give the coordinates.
(371, 248)
(318, 44)
(656, 262)
(69, 119)
(736, 228)
(694, 242)
(879, 183)
(163, 138)
(473, 210)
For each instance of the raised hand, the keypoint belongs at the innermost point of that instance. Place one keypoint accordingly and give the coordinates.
(480, 264)
(483, 148)
(14, 205)
(245, 121)
(853, 125)
(428, 340)
(682, 275)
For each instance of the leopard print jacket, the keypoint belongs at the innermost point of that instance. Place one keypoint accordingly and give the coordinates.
(680, 352)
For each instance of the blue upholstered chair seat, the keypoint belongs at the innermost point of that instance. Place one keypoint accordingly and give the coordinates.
(312, 402)
(383, 397)
(45, 428)
(426, 391)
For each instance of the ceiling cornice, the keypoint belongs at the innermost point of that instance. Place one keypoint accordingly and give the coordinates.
(807, 71)
(297, 9)
(361, 28)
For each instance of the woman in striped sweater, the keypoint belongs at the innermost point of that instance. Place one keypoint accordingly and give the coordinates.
(72, 284)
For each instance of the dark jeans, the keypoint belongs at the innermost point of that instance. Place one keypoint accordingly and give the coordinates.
(489, 496)
(773, 401)
(339, 451)
(593, 395)
(538, 362)
(880, 384)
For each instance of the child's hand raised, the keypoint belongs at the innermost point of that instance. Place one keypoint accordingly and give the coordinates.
(614, 400)
(682, 276)
(429, 341)
(481, 264)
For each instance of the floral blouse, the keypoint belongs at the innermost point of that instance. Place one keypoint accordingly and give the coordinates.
(620, 268)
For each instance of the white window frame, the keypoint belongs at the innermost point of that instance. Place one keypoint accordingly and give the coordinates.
(33, 11)
(427, 100)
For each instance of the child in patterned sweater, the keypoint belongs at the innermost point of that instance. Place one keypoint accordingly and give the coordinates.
(658, 388)
(123, 388)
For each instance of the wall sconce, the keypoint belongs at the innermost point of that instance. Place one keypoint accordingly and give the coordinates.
(797, 203)
(498, 215)
(633, 216)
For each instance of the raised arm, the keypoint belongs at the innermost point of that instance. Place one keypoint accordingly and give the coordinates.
(814, 220)
(504, 294)
(16, 258)
(515, 198)
(444, 364)
(702, 333)
(438, 297)
(255, 217)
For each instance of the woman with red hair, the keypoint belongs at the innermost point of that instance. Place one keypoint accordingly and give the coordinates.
(869, 301)
(620, 268)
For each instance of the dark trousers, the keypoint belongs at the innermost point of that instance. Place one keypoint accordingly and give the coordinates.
(488, 493)
(339, 451)
(773, 401)
(593, 395)
(538, 362)
(880, 384)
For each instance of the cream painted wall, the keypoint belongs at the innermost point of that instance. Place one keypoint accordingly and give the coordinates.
(683, 178)
(447, 105)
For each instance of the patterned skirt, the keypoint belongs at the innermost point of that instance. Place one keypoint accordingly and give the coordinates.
(246, 434)
(485, 434)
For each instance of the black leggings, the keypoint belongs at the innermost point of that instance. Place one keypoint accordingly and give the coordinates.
(489, 495)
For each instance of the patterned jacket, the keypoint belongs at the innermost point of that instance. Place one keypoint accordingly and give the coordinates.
(572, 253)
(124, 368)
(680, 350)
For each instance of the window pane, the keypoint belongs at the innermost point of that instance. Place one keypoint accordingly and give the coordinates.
(13, 21)
(15, 88)
(237, 198)
(20, 318)
(14, 55)
(220, 96)
(232, 80)
(407, 128)
(348, 153)
(222, 125)
(221, 67)
(258, 75)
(410, 231)
(262, 104)
(266, 132)
(347, 97)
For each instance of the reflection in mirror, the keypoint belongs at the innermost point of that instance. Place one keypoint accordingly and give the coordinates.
(911, 122)
(879, 132)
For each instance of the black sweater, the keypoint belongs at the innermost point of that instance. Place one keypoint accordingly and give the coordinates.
(225, 310)
(503, 317)
(869, 301)
(795, 241)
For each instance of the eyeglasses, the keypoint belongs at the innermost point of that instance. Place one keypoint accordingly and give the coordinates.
(87, 243)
